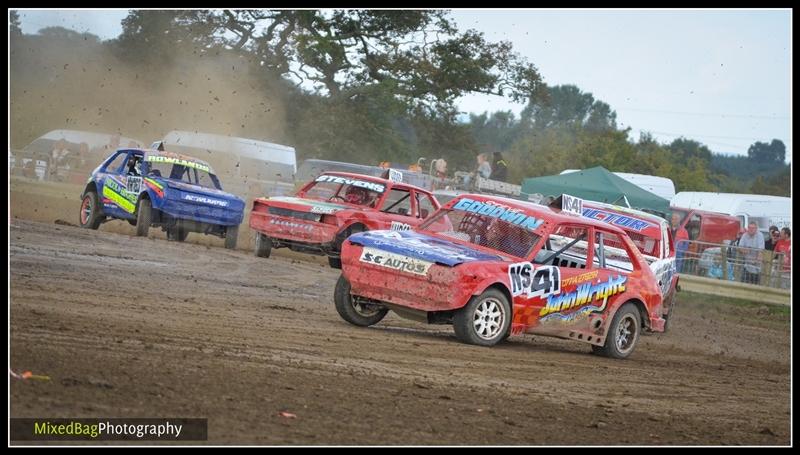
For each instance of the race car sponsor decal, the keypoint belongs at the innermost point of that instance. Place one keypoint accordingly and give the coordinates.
(377, 187)
(540, 282)
(664, 270)
(588, 276)
(176, 159)
(395, 176)
(395, 261)
(290, 224)
(502, 212)
(205, 200)
(154, 183)
(117, 192)
(585, 294)
(134, 184)
(615, 219)
(571, 204)
(155, 186)
(398, 226)
(324, 210)
(418, 245)
(316, 206)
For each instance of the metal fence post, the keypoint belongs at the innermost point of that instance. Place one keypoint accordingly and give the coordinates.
(724, 251)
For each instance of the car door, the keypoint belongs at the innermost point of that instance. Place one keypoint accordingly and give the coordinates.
(112, 186)
(546, 289)
(120, 191)
(615, 262)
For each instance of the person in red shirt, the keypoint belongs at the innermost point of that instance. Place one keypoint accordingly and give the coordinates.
(784, 245)
(681, 237)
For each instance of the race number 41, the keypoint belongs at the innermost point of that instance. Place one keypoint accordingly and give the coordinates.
(540, 282)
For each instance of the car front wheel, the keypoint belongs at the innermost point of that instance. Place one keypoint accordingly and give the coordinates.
(144, 216)
(352, 311)
(485, 320)
(90, 216)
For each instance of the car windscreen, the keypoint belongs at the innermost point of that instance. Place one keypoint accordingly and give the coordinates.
(351, 193)
(483, 230)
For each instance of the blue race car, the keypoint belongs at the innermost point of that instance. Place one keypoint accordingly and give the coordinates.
(147, 188)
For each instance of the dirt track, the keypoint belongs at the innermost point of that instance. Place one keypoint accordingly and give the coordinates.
(142, 327)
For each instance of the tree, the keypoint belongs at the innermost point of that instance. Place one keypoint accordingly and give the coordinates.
(65, 34)
(777, 185)
(14, 23)
(685, 149)
(774, 152)
(417, 56)
(566, 105)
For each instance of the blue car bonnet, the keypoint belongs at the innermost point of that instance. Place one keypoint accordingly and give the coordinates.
(421, 246)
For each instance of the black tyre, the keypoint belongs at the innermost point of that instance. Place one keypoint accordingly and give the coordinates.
(144, 215)
(263, 245)
(231, 237)
(177, 234)
(90, 216)
(623, 334)
(352, 312)
(336, 262)
(485, 320)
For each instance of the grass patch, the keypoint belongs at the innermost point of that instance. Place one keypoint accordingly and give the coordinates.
(733, 305)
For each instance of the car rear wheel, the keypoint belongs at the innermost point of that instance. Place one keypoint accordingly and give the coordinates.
(90, 216)
(352, 311)
(263, 245)
(623, 334)
(336, 262)
(231, 236)
(144, 214)
(485, 320)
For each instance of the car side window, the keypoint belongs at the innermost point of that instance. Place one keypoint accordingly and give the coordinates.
(425, 205)
(115, 165)
(567, 246)
(398, 202)
(612, 252)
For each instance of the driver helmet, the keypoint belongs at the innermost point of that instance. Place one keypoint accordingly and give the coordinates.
(356, 195)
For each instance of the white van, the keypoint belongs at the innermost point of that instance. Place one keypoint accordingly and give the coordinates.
(660, 186)
(765, 210)
(244, 165)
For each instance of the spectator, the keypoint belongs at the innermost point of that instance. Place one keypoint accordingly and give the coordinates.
(499, 168)
(752, 244)
(484, 168)
(440, 167)
(58, 159)
(681, 238)
(774, 236)
(784, 245)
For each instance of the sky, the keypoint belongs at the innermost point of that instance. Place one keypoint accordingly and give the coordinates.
(721, 77)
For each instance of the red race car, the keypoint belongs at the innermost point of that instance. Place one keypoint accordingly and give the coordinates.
(653, 237)
(332, 207)
(493, 267)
